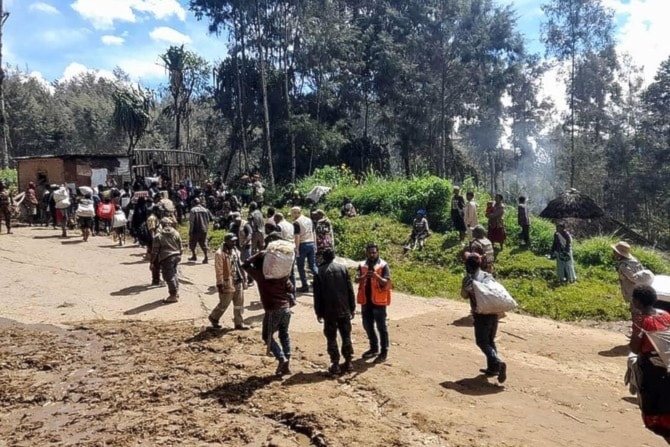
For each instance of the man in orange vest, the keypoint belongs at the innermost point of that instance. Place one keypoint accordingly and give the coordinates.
(374, 295)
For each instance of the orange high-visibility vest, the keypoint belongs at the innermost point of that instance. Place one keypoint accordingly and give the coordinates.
(380, 296)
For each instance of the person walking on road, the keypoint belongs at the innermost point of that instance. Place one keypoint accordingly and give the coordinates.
(374, 295)
(486, 325)
(230, 281)
(166, 252)
(199, 218)
(276, 297)
(335, 307)
(523, 219)
(303, 232)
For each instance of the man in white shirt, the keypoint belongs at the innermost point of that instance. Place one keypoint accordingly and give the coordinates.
(303, 236)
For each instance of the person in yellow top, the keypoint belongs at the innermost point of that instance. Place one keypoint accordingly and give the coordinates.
(230, 281)
(374, 295)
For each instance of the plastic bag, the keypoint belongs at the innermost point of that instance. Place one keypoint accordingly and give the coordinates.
(492, 297)
(279, 257)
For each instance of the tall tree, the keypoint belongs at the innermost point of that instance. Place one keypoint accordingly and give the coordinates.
(573, 29)
(188, 72)
(132, 113)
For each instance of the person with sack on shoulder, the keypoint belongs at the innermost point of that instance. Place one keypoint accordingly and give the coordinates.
(486, 325)
(374, 295)
(85, 213)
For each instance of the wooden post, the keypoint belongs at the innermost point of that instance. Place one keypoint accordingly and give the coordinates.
(3, 117)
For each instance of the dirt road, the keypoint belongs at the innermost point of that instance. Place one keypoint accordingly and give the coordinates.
(89, 356)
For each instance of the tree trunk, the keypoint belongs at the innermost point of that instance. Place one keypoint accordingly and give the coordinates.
(240, 91)
(289, 114)
(3, 116)
(264, 93)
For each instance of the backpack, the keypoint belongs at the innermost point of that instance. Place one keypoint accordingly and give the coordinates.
(106, 210)
(491, 296)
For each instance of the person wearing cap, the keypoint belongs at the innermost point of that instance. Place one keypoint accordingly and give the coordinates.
(420, 231)
(6, 204)
(230, 282)
(457, 212)
(323, 234)
(486, 325)
(628, 269)
(303, 235)
(166, 252)
(335, 307)
(481, 245)
(199, 218)
(561, 250)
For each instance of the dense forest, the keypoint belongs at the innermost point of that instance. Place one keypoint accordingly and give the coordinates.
(399, 87)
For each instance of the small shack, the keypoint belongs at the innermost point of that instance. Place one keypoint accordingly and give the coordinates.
(584, 218)
(80, 170)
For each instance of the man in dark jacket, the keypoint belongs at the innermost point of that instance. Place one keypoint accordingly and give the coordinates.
(277, 298)
(335, 306)
(199, 218)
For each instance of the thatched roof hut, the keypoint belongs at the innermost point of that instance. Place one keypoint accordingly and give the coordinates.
(572, 204)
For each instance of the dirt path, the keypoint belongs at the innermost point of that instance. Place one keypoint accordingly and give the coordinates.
(89, 356)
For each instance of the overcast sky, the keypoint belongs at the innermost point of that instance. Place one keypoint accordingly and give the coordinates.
(56, 39)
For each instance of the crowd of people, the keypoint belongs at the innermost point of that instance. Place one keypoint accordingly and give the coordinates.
(150, 212)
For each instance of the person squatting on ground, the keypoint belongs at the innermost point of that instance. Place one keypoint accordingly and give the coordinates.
(199, 218)
(335, 307)
(420, 232)
(486, 325)
(230, 281)
(457, 213)
(166, 252)
(6, 204)
(277, 299)
(523, 219)
(303, 235)
(652, 377)
(374, 295)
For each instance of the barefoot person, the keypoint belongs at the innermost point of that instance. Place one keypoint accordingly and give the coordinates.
(335, 306)
(374, 295)
(652, 373)
(231, 280)
(486, 325)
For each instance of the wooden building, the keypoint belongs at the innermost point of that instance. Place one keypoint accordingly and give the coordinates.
(80, 170)
(171, 163)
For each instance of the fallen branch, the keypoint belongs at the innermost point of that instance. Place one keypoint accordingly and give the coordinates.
(514, 335)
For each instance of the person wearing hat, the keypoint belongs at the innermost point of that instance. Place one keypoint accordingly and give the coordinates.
(420, 231)
(199, 218)
(6, 204)
(628, 269)
(481, 245)
(561, 250)
(457, 213)
(486, 325)
(230, 282)
(166, 251)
